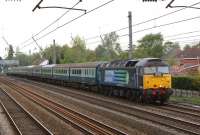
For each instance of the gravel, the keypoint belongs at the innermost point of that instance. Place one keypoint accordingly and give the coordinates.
(130, 125)
(54, 124)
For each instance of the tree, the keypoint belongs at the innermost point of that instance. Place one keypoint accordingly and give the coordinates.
(79, 51)
(24, 60)
(10, 52)
(102, 53)
(110, 48)
(197, 45)
(170, 46)
(170, 51)
(67, 52)
(186, 47)
(48, 53)
(150, 45)
(91, 55)
(35, 58)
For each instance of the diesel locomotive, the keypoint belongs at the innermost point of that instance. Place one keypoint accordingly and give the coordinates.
(145, 80)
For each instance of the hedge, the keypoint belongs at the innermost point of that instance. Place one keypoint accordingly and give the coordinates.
(186, 82)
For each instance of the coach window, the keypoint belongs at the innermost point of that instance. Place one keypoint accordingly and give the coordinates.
(79, 71)
(90, 72)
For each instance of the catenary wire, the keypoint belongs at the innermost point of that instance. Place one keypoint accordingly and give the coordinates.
(143, 21)
(56, 20)
(167, 24)
(70, 21)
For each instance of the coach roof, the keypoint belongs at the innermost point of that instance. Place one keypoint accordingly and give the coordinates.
(80, 65)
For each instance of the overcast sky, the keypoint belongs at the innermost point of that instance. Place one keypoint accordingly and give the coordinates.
(18, 23)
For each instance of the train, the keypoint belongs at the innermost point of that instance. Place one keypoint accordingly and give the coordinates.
(141, 80)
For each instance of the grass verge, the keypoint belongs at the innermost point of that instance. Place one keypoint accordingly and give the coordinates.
(190, 100)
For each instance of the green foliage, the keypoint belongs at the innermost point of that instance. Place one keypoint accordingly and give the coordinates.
(10, 52)
(170, 51)
(35, 59)
(78, 50)
(185, 82)
(190, 100)
(150, 45)
(109, 49)
(170, 46)
(186, 47)
(24, 59)
(197, 45)
(48, 53)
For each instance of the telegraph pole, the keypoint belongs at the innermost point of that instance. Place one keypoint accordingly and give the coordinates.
(54, 51)
(130, 35)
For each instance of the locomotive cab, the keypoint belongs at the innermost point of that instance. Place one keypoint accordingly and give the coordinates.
(156, 77)
(155, 80)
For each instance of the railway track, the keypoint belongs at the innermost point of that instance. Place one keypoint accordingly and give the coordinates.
(178, 124)
(183, 110)
(23, 122)
(82, 122)
(193, 112)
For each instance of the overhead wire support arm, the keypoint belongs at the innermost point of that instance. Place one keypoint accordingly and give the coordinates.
(37, 44)
(37, 6)
(62, 8)
(40, 7)
(170, 6)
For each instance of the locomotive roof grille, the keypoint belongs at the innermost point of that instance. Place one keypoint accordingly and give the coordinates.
(150, 62)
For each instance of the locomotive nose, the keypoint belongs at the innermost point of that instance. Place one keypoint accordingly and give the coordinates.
(153, 82)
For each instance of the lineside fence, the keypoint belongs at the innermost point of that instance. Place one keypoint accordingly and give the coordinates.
(186, 93)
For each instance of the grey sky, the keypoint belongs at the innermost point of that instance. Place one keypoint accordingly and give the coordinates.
(18, 23)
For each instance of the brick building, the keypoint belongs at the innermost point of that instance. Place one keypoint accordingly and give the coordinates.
(188, 61)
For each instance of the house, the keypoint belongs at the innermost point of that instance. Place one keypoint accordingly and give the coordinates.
(188, 61)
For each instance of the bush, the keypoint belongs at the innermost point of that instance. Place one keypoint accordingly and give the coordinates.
(186, 82)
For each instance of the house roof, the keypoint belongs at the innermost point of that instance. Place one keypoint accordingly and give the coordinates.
(189, 53)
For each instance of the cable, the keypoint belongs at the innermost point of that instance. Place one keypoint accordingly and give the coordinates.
(182, 34)
(124, 35)
(162, 25)
(184, 37)
(143, 22)
(71, 21)
(186, 40)
(95, 42)
(158, 17)
(52, 22)
(134, 24)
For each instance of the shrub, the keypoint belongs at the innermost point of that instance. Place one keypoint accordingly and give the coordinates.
(186, 82)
